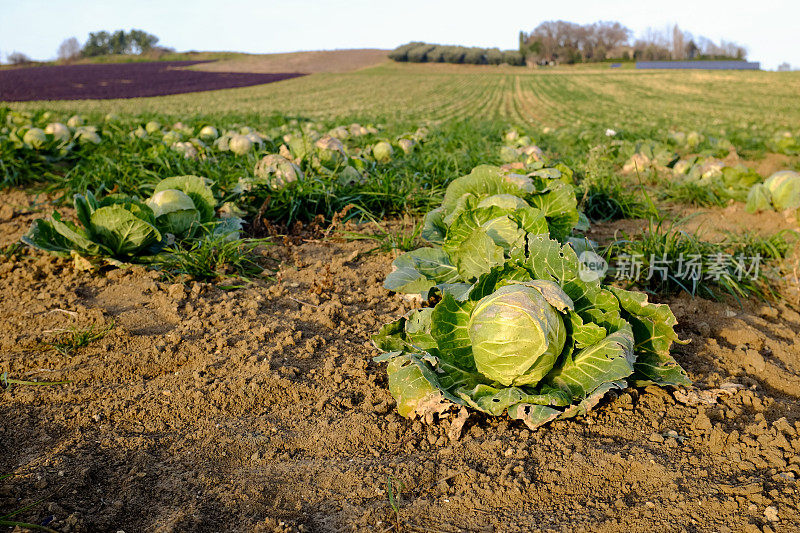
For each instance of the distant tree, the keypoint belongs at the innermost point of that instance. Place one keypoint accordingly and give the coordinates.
(475, 56)
(401, 52)
(69, 49)
(494, 56)
(119, 42)
(18, 58)
(691, 50)
(454, 54)
(142, 41)
(419, 54)
(678, 43)
(513, 57)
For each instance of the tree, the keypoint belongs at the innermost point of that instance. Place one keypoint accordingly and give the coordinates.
(18, 58)
(69, 49)
(142, 41)
(678, 43)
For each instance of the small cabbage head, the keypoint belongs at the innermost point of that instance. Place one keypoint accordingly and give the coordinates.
(382, 152)
(111, 117)
(75, 121)
(784, 186)
(87, 134)
(208, 133)
(240, 144)
(330, 151)
(171, 137)
(508, 154)
(188, 150)
(35, 138)
(406, 145)
(339, 133)
(139, 132)
(152, 127)
(277, 170)
(533, 153)
(175, 212)
(58, 130)
(516, 334)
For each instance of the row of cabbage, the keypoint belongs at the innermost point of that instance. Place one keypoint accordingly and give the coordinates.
(517, 327)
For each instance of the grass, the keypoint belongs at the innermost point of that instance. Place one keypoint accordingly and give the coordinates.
(5, 520)
(69, 341)
(214, 258)
(666, 259)
(403, 239)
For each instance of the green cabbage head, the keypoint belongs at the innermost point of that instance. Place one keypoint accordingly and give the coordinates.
(174, 211)
(35, 138)
(784, 186)
(382, 152)
(517, 335)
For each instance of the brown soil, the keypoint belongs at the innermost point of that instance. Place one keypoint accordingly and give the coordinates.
(260, 410)
(305, 62)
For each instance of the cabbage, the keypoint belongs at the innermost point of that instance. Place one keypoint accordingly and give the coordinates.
(208, 133)
(277, 171)
(174, 211)
(406, 145)
(784, 186)
(58, 130)
(758, 199)
(152, 127)
(516, 334)
(87, 134)
(240, 144)
(35, 138)
(382, 152)
(75, 121)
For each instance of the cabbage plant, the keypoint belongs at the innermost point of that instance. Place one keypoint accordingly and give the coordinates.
(784, 188)
(275, 171)
(531, 338)
(484, 220)
(240, 144)
(174, 212)
(116, 226)
(382, 152)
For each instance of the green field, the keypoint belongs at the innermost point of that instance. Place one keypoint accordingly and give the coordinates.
(564, 97)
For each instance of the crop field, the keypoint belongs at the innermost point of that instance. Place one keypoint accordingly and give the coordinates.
(404, 298)
(121, 80)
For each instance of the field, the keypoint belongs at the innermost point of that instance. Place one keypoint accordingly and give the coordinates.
(226, 381)
(120, 80)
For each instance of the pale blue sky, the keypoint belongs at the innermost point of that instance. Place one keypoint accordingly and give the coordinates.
(768, 28)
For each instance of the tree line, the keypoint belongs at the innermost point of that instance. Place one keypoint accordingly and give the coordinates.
(99, 43)
(418, 52)
(560, 41)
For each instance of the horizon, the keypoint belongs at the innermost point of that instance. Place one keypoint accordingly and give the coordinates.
(36, 28)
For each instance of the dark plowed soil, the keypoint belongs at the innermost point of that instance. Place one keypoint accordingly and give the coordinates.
(261, 409)
(121, 80)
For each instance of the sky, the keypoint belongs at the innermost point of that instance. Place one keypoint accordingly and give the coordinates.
(767, 28)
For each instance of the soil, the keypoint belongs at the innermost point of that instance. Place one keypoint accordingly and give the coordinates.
(260, 409)
(122, 80)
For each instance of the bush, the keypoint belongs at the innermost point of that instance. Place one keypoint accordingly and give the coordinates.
(514, 58)
(475, 56)
(401, 52)
(454, 54)
(494, 56)
(419, 53)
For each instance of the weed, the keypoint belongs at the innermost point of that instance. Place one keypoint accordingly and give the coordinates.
(393, 491)
(667, 259)
(74, 338)
(212, 258)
